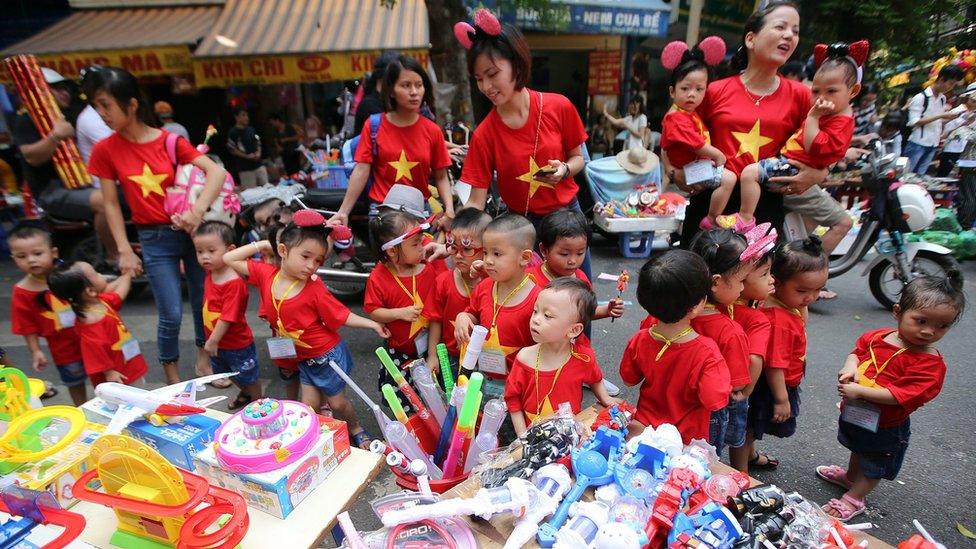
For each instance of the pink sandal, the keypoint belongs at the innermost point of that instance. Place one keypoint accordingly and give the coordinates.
(846, 507)
(834, 474)
(706, 224)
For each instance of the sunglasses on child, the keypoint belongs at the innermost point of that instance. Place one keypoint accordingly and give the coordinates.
(462, 247)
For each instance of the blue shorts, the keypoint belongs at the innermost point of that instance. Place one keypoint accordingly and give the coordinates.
(243, 361)
(72, 374)
(316, 372)
(718, 425)
(761, 411)
(735, 433)
(881, 454)
(775, 167)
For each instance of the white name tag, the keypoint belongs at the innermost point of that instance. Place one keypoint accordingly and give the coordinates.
(281, 347)
(492, 361)
(66, 319)
(699, 171)
(862, 414)
(130, 349)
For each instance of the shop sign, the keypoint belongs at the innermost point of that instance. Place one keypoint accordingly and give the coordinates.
(604, 72)
(288, 69)
(617, 17)
(160, 61)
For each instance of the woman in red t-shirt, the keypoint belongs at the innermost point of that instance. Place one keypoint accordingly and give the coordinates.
(410, 148)
(531, 141)
(135, 158)
(751, 115)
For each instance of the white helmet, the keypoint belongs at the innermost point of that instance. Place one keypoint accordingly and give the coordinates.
(917, 207)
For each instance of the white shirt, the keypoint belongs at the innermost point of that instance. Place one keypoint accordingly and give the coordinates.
(929, 134)
(957, 144)
(638, 124)
(90, 129)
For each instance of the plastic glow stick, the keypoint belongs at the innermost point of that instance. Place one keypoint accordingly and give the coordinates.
(491, 420)
(408, 392)
(447, 428)
(389, 393)
(429, 390)
(469, 437)
(381, 419)
(473, 350)
(462, 380)
(402, 440)
(466, 420)
(446, 374)
(354, 540)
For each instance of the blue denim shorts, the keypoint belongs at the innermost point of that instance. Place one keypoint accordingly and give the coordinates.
(775, 167)
(880, 454)
(72, 374)
(316, 372)
(761, 411)
(243, 361)
(735, 433)
(718, 426)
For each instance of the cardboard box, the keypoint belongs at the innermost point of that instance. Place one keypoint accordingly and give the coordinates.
(177, 442)
(278, 492)
(57, 473)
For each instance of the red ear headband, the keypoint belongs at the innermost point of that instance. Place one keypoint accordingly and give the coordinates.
(711, 51)
(340, 234)
(485, 23)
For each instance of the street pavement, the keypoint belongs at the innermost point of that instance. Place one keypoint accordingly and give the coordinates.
(936, 484)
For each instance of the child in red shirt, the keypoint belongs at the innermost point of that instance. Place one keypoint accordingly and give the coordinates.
(503, 302)
(555, 369)
(230, 342)
(799, 270)
(452, 291)
(889, 375)
(822, 139)
(305, 315)
(35, 312)
(109, 351)
(683, 376)
(397, 289)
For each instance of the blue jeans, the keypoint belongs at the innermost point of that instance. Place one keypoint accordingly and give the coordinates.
(919, 157)
(162, 251)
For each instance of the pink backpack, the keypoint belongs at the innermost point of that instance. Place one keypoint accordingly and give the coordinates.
(189, 183)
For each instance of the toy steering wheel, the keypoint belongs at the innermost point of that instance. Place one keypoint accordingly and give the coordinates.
(22, 426)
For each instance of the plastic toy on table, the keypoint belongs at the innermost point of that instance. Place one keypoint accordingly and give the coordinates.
(585, 520)
(430, 423)
(265, 435)
(515, 497)
(15, 393)
(36, 508)
(669, 501)
(544, 442)
(382, 420)
(158, 406)
(551, 482)
(712, 524)
(430, 392)
(492, 417)
(157, 503)
(624, 529)
(37, 434)
(615, 417)
(464, 431)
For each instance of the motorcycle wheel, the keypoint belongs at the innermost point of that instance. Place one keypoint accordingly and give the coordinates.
(886, 285)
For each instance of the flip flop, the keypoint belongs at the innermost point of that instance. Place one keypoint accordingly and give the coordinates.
(361, 439)
(834, 474)
(221, 383)
(769, 465)
(241, 401)
(846, 508)
(50, 392)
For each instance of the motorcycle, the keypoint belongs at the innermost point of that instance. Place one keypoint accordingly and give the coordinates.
(894, 209)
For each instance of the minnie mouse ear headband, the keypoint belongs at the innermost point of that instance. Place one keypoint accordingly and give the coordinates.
(710, 51)
(485, 25)
(412, 232)
(856, 52)
(340, 235)
(760, 240)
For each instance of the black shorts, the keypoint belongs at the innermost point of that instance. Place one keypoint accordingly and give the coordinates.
(761, 411)
(880, 454)
(73, 204)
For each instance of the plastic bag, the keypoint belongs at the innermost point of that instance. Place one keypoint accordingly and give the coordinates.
(967, 245)
(942, 238)
(945, 220)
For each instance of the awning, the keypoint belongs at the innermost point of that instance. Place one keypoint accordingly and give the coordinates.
(259, 27)
(145, 41)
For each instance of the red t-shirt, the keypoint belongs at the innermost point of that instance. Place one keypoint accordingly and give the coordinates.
(683, 133)
(828, 147)
(521, 393)
(511, 331)
(27, 317)
(383, 292)
(227, 302)
(914, 378)
(443, 306)
(311, 317)
(542, 278)
(104, 344)
(285, 363)
(731, 341)
(787, 347)
(499, 150)
(143, 170)
(747, 133)
(682, 388)
(405, 155)
(755, 324)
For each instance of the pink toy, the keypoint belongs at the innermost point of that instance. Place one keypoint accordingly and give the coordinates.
(266, 435)
(189, 184)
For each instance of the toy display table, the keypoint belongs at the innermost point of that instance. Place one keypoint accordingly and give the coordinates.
(306, 526)
(495, 532)
(636, 233)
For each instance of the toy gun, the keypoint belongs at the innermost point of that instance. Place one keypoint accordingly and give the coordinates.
(487, 440)
(517, 496)
(429, 390)
(381, 419)
(422, 412)
(465, 424)
(552, 483)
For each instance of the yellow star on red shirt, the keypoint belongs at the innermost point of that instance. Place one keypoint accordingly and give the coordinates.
(793, 144)
(403, 167)
(750, 142)
(124, 337)
(544, 411)
(294, 335)
(210, 317)
(492, 342)
(529, 177)
(57, 307)
(149, 182)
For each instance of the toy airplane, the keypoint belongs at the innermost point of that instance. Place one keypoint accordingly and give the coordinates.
(179, 399)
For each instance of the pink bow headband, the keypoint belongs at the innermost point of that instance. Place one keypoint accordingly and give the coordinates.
(760, 240)
(485, 24)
